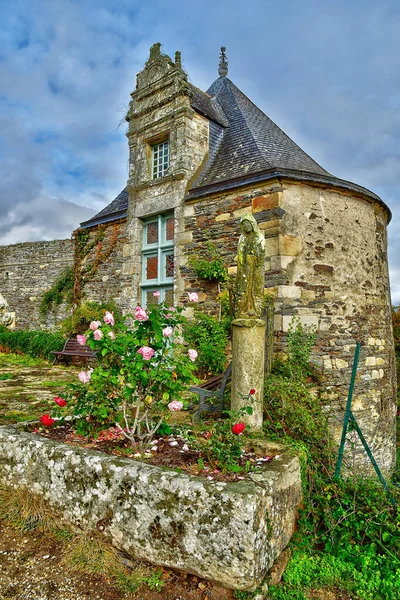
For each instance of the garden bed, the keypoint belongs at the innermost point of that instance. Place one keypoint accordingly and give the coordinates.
(228, 532)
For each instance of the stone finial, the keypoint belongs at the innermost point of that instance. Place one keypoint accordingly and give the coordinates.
(178, 59)
(223, 63)
(155, 51)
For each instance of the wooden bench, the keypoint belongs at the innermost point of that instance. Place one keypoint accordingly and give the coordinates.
(213, 388)
(74, 349)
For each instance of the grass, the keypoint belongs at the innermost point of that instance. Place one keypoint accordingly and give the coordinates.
(5, 376)
(89, 555)
(21, 360)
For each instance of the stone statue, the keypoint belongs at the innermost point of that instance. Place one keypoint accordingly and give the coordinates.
(6, 318)
(249, 290)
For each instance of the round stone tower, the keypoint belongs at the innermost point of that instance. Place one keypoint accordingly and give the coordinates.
(326, 252)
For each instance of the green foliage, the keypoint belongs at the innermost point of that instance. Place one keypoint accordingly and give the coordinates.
(348, 536)
(300, 342)
(61, 291)
(140, 370)
(210, 337)
(84, 314)
(210, 266)
(33, 343)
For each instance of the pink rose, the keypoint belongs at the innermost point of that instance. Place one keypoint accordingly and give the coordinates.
(109, 318)
(156, 294)
(81, 339)
(111, 335)
(171, 308)
(192, 354)
(85, 377)
(94, 325)
(60, 401)
(140, 314)
(167, 332)
(175, 405)
(146, 352)
(98, 334)
(193, 297)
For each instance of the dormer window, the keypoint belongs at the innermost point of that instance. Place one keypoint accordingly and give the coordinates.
(160, 159)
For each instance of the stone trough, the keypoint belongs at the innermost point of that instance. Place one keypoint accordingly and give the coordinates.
(230, 533)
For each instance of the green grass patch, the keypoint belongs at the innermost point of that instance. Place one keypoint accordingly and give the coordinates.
(5, 376)
(21, 360)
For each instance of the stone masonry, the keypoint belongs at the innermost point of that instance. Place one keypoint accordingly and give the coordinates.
(26, 272)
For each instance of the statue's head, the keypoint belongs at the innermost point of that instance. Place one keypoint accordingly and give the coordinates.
(248, 224)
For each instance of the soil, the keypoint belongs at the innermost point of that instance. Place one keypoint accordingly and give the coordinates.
(31, 569)
(171, 452)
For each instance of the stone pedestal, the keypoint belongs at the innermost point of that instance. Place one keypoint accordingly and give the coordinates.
(248, 366)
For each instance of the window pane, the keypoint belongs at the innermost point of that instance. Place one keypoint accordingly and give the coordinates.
(169, 229)
(150, 298)
(151, 267)
(169, 265)
(169, 297)
(152, 233)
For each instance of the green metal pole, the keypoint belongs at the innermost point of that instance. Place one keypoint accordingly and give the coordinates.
(371, 458)
(348, 411)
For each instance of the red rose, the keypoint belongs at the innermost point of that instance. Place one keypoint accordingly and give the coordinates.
(60, 401)
(47, 420)
(207, 434)
(252, 392)
(238, 428)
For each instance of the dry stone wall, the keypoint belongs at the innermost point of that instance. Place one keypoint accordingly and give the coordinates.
(28, 270)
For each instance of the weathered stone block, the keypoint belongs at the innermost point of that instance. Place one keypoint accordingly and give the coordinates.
(227, 532)
(289, 291)
(290, 245)
(184, 237)
(223, 217)
(266, 202)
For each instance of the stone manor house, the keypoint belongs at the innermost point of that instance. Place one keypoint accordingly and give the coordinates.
(198, 162)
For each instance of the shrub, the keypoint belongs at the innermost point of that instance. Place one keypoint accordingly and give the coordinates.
(79, 321)
(34, 343)
(141, 372)
(210, 337)
(348, 534)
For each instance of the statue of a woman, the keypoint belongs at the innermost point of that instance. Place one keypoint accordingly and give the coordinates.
(250, 270)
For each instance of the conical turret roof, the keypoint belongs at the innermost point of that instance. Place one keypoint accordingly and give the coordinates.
(249, 148)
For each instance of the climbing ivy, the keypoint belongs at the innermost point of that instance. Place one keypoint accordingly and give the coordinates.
(210, 266)
(61, 291)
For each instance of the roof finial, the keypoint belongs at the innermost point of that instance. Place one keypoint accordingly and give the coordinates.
(223, 63)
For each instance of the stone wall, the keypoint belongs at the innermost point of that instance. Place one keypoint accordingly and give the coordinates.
(103, 274)
(26, 272)
(227, 532)
(327, 265)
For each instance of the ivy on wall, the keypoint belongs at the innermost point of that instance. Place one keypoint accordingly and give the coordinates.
(60, 291)
(68, 286)
(84, 269)
(210, 266)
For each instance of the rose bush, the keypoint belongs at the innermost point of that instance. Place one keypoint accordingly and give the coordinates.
(143, 367)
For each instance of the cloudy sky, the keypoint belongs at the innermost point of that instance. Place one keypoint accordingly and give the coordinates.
(327, 72)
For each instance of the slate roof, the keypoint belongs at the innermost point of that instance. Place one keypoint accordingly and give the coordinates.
(117, 209)
(207, 106)
(245, 147)
(252, 142)
(254, 149)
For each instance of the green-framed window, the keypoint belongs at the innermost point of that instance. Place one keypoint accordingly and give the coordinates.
(160, 159)
(158, 259)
